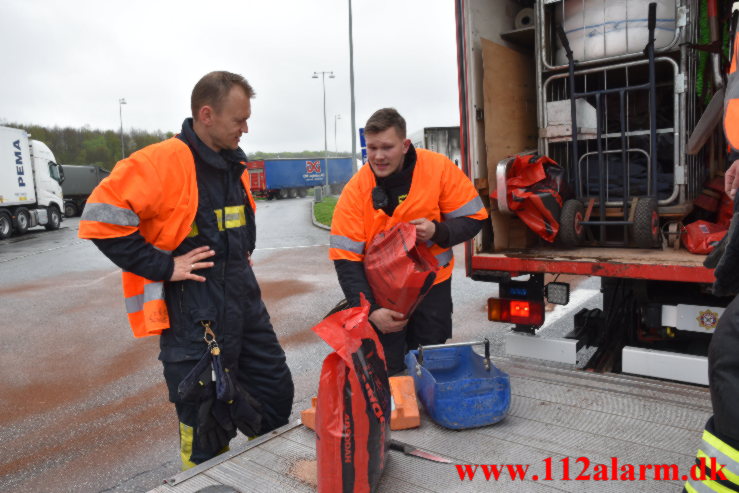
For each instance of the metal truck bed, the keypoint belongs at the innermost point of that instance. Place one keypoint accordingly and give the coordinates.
(555, 413)
(658, 264)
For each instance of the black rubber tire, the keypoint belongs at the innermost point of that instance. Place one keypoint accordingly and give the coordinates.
(22, 220)
(302, 192)
(70, 209)
(571, 232)
(6, 225)
(54, 218)
(645, 231)
(292, 193)
(282, 194)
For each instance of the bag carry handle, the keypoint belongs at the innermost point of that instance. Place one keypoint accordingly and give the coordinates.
(485, 342)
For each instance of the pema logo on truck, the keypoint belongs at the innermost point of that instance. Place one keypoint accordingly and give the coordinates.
(19, 163)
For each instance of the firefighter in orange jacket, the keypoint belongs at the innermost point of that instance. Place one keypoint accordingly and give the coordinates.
(178, 218)
(720, 438)
(403, 184)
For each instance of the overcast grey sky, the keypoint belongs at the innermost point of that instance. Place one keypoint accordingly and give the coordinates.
(68, 62)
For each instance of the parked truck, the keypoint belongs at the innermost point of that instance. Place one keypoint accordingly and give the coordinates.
(631, 185)
(444, 140)
(30, 184)
(79, 181)
(289, 178)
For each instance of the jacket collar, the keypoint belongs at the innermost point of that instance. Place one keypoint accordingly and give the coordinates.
(219, 160)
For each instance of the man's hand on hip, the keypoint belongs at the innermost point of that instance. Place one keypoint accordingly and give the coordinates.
(192, 260)
(425, 229)
(731, 179)
(387, 320)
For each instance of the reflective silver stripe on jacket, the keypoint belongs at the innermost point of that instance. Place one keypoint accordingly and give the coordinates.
(467, 209)
(110, 214)
(344, 243)
(152, 291)
(702, 487)
(445, 257)
(729, 464)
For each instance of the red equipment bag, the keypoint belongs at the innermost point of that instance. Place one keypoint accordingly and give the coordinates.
(353, 408)
(534, 185)
(701, 237)
(399, 271)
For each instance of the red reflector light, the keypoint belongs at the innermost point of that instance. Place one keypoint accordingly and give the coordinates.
(524, 312)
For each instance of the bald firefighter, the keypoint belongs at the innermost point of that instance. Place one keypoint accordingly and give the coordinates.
(178, 218)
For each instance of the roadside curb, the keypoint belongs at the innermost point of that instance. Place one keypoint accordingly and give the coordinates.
(313, 218)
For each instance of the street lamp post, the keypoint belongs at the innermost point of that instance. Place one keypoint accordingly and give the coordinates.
(121, 102)
(336, 143)
(351, 86)
(325, 138)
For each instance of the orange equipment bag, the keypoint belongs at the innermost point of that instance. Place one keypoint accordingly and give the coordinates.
(399, 271)
(701, 237)
(535, 187)
(353, 408)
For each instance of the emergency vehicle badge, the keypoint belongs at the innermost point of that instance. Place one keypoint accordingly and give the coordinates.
(707, 319)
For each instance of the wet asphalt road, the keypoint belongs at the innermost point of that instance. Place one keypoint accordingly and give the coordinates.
(83, 404)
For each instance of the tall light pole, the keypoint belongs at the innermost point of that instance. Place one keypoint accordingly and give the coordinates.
(325, 138)
(351, 85)
(121, 102)
(336, 144)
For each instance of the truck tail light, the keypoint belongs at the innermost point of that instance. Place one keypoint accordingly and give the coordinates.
(524, 312)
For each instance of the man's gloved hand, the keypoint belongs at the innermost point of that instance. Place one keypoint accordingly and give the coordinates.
(213, 432)
(726, 259)
(246, 412)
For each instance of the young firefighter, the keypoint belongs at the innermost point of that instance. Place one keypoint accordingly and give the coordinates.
(403, 184)
(178, 218)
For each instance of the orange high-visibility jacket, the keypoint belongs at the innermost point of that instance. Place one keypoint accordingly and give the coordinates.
(731, 101)
(154, 192)
(439, 191)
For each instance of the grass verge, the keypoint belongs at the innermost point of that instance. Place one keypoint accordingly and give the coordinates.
(324, 211)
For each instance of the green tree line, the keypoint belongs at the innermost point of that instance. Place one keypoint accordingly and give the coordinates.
(90, 146)
(103, 147)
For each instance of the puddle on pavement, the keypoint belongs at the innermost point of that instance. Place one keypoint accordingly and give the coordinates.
(305, 471)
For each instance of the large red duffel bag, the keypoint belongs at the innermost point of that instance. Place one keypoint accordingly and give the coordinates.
(701, 237)
(353, 408)
(399, 271)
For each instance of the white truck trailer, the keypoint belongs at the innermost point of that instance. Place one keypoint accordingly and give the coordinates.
(30, 184)
(444, 140)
